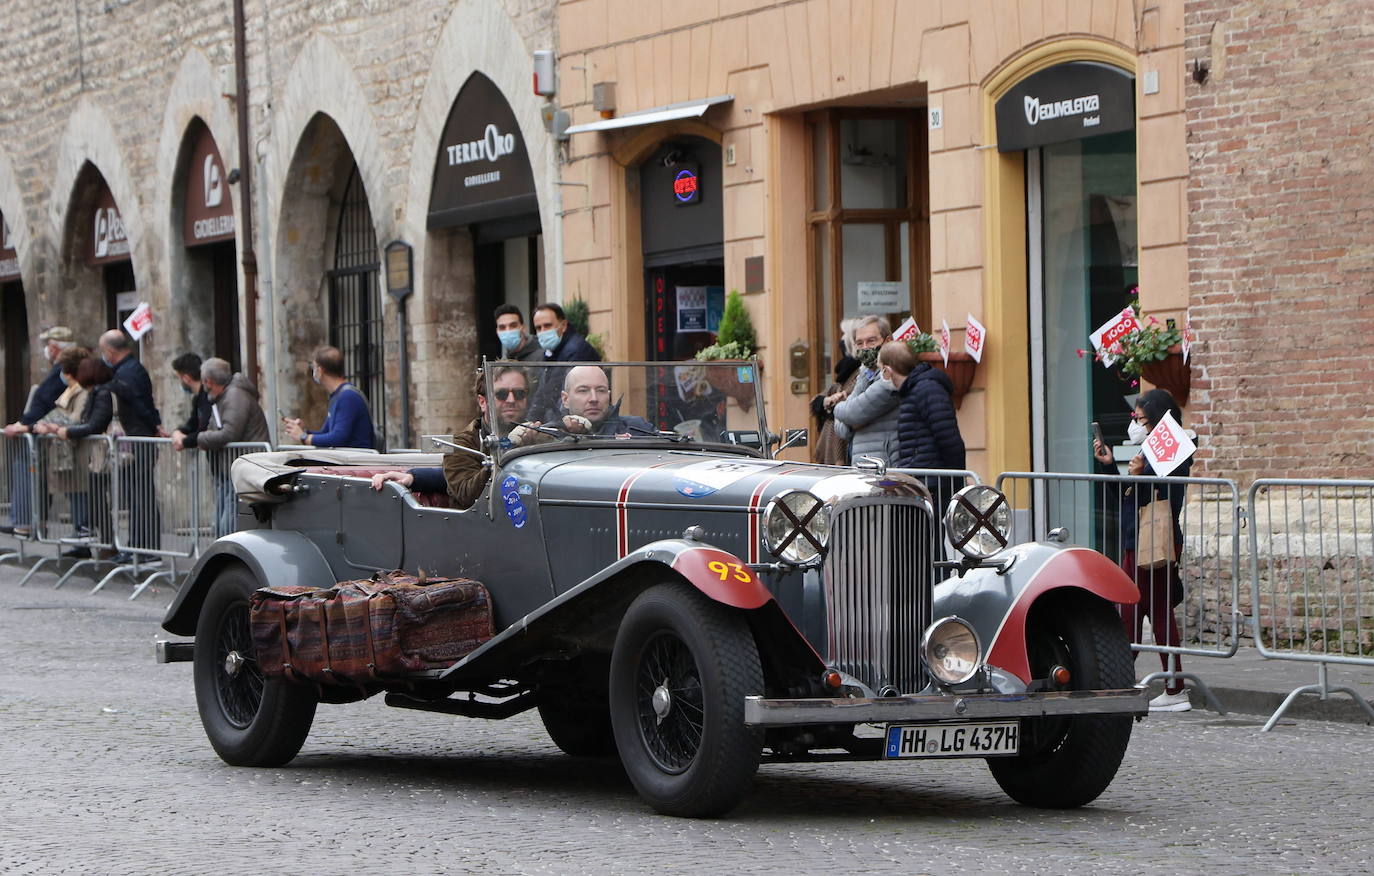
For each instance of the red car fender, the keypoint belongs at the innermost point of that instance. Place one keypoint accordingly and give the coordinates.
(722, 576)
(1076, 567)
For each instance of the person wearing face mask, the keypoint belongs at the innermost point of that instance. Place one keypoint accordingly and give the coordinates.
(560, 344)
(348, 423)
(829, 449)
(235, 415)
(516, 343)
(187, 369)
(867, 418)
(41, 401)
(65, 462)
(96, 379)
(927, 425)
(1161, 588)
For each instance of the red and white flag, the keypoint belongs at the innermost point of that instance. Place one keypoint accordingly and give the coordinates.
(1186, 343)
(140, 322)
(974, 338)
(1168, 446)
(1112, 331)
(907, 330)
(944, 340)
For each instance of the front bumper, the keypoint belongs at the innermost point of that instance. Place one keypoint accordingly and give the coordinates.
(761, 712)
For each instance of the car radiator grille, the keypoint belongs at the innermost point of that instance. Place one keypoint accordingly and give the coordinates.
(878, 589)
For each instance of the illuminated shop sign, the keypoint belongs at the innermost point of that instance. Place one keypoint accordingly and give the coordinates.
(687, 186)
(1065, 102)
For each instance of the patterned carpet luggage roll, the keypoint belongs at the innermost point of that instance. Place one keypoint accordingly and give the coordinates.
(369, 630)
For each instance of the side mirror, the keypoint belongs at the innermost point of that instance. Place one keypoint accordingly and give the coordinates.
(792, 438)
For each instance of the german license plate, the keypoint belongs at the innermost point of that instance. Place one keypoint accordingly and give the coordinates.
(988, 739)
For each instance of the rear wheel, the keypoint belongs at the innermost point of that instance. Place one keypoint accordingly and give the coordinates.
(250, 721)
(680, 671)
(1068, 761)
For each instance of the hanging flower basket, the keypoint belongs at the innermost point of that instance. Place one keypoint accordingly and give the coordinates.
(960, 369)
(1170, 373)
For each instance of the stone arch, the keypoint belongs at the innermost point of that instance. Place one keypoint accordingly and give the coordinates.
(88, 147)
(193, 100)
(479, 37)
(319, 134)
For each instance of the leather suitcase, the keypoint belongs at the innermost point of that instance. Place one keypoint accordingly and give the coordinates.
(369, 630)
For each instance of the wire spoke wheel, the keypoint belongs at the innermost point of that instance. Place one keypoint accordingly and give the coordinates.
(671, 712)
(239, 681)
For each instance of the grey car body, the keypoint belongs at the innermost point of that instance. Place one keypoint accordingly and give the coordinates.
(572, 538)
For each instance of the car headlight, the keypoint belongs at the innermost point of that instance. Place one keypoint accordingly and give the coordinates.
(978, 521)
(796, 526)
(951, 650)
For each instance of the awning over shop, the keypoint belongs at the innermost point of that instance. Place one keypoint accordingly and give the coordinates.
(692, 109)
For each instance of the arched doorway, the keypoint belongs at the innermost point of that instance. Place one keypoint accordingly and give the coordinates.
(14, 326)
(354, 306)
(98, 269)
(327, 267)
(204, 271)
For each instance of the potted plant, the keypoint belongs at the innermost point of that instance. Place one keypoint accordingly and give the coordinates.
(579, 320)
(1153, 351)
(735, 342)
(960, 366)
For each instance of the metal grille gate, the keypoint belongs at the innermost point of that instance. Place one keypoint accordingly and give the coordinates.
(355, 308)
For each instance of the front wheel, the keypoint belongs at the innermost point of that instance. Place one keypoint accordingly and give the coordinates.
(1068, 761)
(680, 671)
(250, 721)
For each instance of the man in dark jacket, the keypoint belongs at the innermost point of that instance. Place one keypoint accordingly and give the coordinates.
(927, 427)
(187, 369)
(516, 343)
(561, 344)
(139, 417)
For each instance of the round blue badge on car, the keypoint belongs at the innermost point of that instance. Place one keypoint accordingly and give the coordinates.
(510, 497)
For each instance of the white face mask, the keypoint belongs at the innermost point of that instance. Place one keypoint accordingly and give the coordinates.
(1136, 432)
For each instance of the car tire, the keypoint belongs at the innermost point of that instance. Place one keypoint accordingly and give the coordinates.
(250, 721)
(578, 722)
(680, 671)
(1067, 762)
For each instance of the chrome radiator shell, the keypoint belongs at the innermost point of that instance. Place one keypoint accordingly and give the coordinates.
(878, 580)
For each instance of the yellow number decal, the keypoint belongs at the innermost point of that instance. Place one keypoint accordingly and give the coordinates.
(719, 568)
(741, 574)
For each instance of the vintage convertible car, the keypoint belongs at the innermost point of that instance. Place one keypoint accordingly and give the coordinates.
(667, 590)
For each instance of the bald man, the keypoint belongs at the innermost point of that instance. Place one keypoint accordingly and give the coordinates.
(587, 399)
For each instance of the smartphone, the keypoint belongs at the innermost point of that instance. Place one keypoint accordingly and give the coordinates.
(1097, 433)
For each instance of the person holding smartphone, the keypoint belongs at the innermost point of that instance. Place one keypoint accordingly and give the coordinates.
(1161, 588)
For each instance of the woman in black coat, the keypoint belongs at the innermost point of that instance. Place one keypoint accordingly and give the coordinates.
(95, 376)
(928, 429)
(1161, 587)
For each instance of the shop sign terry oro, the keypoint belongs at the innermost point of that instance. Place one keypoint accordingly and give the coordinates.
(482, 172)
(1065, 102)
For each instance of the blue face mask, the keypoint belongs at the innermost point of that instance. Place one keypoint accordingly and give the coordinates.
(548, 339)
(510, 338)
(186, 389)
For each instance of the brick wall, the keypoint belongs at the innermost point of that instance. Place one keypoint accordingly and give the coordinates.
(1281, 236)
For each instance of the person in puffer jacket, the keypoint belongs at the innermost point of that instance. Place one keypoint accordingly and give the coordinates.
(927, 427)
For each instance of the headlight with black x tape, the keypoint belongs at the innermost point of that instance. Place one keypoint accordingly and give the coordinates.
(796, 527)
(978, 522)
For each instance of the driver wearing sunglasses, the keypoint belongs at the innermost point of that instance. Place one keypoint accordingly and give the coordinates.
(462, 475)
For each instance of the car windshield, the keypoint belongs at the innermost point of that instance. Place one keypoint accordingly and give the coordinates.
(682, 402)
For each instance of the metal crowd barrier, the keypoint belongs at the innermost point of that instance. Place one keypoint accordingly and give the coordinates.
(72, 504)
(17, 486)
(1312, 577)
(1192, 603)
(218, 504)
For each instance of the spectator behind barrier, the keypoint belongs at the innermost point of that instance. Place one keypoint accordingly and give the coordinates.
(187, 369)
(348, 422)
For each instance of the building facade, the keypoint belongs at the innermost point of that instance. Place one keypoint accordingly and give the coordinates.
(121, 181)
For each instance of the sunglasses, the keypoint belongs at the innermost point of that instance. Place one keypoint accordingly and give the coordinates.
(503, 394)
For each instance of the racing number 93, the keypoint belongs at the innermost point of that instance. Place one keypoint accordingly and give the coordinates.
(730, 571)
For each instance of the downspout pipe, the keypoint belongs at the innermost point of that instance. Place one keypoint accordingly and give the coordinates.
(250, 257)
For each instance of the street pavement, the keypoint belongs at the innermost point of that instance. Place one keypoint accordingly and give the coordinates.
(105, 769)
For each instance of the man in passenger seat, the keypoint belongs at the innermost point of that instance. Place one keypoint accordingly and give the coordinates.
(463, 474)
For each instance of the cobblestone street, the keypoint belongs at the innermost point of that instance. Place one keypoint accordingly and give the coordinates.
(106, 770)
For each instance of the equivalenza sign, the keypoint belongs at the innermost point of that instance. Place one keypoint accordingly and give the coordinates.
(1066, 102)
(482, 172)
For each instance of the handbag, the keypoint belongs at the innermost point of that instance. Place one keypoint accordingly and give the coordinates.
(1154, 541)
